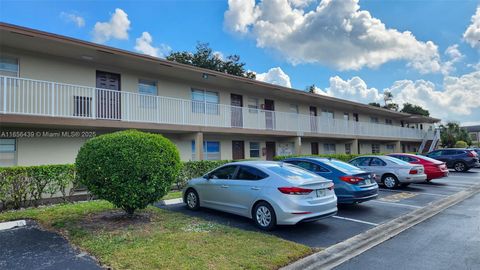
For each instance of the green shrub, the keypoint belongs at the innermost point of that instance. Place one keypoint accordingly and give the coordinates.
(27, 185)
(130, 169)
(342, 157)
(193, 169)
(461, 144)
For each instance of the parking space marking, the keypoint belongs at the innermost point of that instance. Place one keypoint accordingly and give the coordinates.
(416, 192)
(398, 197)
(395, 203)
(356, 220)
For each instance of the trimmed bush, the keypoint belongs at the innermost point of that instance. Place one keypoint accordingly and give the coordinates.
(25, 186)
(342, 157)
(193, 169)
(130, 169)
(461, 144)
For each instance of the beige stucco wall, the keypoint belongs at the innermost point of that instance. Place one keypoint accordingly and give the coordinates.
(39, 151)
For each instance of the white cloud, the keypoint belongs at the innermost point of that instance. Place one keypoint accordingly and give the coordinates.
(79, 21)
(455, 56)
(457, 99)
(472, 34)
(275, 76)
(116, 28)
(144, 45)
(336, 33)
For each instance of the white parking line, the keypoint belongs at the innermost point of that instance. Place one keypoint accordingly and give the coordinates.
(424, 193)
(356, 220)
(394, 203)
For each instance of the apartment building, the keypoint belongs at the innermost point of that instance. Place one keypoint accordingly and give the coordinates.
(56, 91)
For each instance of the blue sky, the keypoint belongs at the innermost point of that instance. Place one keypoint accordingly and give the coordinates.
(180, 24)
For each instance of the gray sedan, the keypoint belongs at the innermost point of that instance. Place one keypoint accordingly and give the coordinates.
(391, 172)
(270, 193)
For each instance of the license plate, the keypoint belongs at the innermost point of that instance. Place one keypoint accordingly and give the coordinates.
(321, 192)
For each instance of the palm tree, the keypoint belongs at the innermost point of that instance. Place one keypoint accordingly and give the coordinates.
(387, 96)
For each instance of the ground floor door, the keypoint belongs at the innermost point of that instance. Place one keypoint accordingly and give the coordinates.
(270, 150)
(269, 114)
(108, 95)
(237, 115)
(238, 150)
(314, 146)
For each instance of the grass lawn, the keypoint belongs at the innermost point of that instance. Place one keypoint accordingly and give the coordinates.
(172, 195)
(161, 239)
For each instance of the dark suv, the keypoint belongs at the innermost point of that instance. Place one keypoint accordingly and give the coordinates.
(461, 160)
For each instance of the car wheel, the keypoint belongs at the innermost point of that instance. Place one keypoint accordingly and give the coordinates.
(192, 200)
(460, 167)
(390, 181)
(264, 216)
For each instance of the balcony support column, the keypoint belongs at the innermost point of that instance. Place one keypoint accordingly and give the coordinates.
(199, 146)
(298, 145)
(398, 147)
(354, 149)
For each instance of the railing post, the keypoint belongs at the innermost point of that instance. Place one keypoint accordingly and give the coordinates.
(94, 103)
(53, 98)
(184, 104)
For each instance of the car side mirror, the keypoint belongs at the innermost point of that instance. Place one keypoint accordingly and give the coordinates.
(207, 176)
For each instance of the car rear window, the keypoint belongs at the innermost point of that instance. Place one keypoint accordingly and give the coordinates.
(291, 172)
(396, 160)
(340, 165)
(430, 159)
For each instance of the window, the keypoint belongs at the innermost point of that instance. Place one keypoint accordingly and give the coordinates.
(348, 148)
(250, 173)
(373, 119)
(254, 150)
(388, 122)
(8, 66)
(375, 148)
(147, 88)
(291, 172)
(363, 161)
(390, 147)
(205, 101)
(340, 165)
(310, 166)
(346, 116)
(252, 105)
(329, 148)
(328, 114)
(377, 162)
(294, 108)
(226, 172)
(435, 153)
(211, 150)
(7, 152)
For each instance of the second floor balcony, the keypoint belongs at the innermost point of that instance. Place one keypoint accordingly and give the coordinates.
(44, 98)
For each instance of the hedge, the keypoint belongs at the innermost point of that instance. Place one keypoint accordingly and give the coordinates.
(342, 157)
(25, 186)
(193, 169)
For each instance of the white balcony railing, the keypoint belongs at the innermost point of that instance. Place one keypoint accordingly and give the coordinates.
(44, 98)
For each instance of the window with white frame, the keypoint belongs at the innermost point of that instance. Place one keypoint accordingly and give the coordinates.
(348, 148)
(254, 149)
(252, 105)
(375, 148)
(8, 149)
(328, 114)
(388, 122)
(329, 148)
(148, 91)
(204, 101)
(346, 116)
(374, 119)
(294, 108)
(390, 147)
(9, 66)
(211, 150)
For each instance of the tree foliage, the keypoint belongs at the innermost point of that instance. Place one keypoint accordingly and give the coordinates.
(375, 104)
(451, 133)
(204, 57)
(414, 109)
(130, 169)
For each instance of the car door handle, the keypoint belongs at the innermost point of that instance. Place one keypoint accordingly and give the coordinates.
(224, 186)
(255, 188)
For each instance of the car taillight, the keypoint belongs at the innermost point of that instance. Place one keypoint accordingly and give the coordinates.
(413, 171)
(351, 179)
(331, 187)
(295, 190)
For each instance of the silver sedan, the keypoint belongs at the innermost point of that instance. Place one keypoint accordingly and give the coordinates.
(269, 192)
(391, 172)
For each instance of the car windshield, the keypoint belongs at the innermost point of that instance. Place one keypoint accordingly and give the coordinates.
(340, 165)
(291, 172)
(396, 160)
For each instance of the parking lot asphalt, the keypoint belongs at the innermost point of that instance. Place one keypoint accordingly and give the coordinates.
(353, 219)
(33, 248)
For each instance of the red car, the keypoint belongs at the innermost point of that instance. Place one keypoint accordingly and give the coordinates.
(433, 168)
